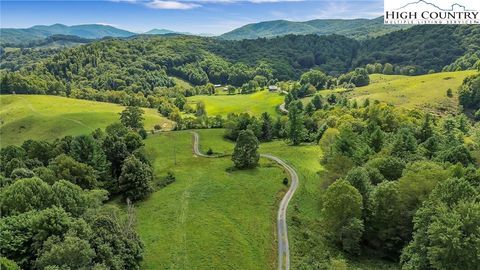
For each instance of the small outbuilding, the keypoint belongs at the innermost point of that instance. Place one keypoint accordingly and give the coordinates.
(273, 88)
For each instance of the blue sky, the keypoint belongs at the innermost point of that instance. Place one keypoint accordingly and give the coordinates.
(195, 16)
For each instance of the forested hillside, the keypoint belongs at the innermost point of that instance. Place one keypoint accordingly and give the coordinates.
(357, 28)
(146, 64)
(424, 48)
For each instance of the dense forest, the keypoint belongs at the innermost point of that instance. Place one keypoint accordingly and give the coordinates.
(146, 64)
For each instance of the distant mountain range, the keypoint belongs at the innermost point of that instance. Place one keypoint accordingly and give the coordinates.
(354, 28)
(39, 32)
(163, 32)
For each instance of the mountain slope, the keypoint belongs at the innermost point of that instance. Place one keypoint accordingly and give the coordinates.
(38, 32)
(160, 32)
(144, 63)
(355, 28)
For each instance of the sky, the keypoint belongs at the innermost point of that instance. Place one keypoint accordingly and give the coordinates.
(194, 16)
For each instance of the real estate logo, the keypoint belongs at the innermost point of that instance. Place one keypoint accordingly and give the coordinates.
(432, 11)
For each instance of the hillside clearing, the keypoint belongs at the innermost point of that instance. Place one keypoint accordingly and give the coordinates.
(425, 92)
(255, 104)
(26, 117)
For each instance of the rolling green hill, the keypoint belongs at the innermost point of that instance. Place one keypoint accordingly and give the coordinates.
(39, 32)
(356, 28)
(425, 92)
(49, 117)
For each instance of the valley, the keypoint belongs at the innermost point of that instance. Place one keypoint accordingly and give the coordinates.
(327, 144)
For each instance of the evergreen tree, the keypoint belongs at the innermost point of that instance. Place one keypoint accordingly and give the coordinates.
(267, 127)
(317, 102)
(426, 130)
(86, 149)
(376, 139)
(296, 129)
(405, 143)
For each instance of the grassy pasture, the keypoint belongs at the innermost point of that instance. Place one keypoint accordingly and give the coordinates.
(42, 117)
(306, 204)
(255, 104)
(211, 217)
(426, 92)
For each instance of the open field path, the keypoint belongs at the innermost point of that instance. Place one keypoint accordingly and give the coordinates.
(283, 248)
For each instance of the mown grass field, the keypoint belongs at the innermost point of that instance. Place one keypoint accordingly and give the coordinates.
(26, 117)
(255, 104)
(211, 217)
(426, 92)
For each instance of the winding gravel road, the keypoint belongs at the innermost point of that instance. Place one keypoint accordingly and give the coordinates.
(283, 248)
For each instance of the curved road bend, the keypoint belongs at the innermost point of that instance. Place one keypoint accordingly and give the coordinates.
(283, 248)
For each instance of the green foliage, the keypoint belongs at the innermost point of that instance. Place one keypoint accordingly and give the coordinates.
(8, 264)
(390, 167)
(296, 130)
(351, 235)
(358, 177)
(78, 173)
(87, 150)
(135, 179)
(245, 155)
(19, 173)
(376, 139)
(132, 117)
(420, 48)
(342, 209)
(405, 144)
(314, 77)
(358, 77)
(384, 224)
(267, 133)
(25, 195)
(469, 93)
(70, 253)
(445, 233)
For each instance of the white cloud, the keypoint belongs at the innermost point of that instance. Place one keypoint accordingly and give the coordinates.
(160, 4)
(189, 4)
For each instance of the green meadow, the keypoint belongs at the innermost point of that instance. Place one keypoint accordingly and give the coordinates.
(426, 92)
(26, 117)
(255, 104)
(306, 204)
(211, 217)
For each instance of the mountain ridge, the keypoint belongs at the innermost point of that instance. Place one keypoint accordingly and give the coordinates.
(353, 28)
(40, 32)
